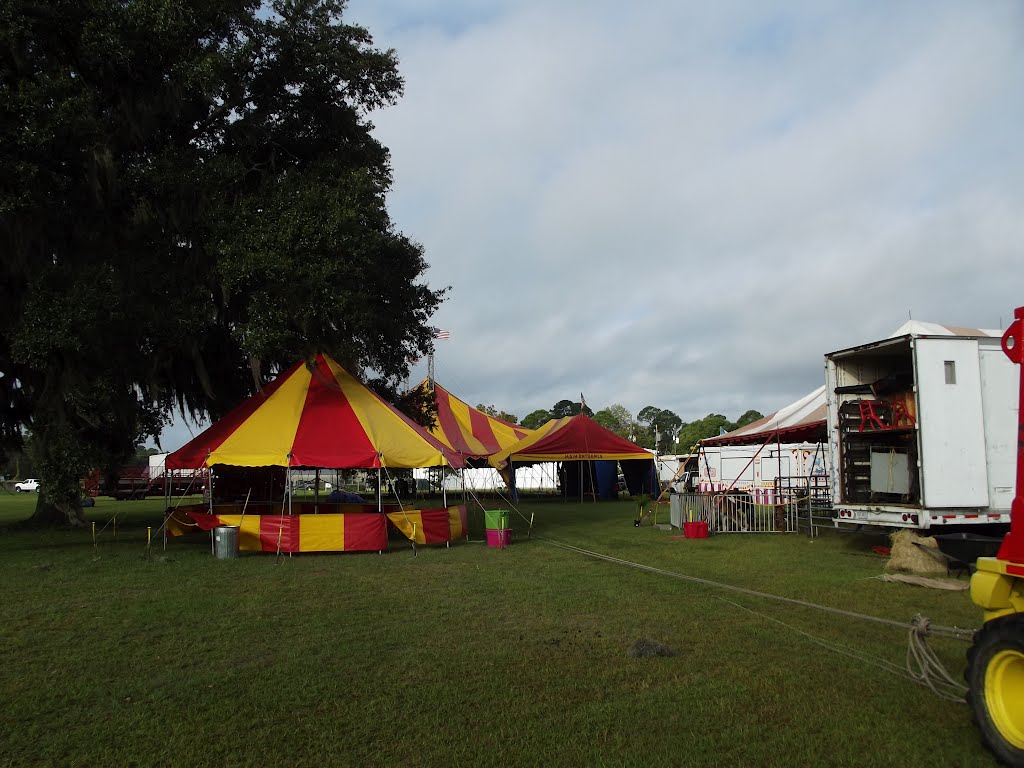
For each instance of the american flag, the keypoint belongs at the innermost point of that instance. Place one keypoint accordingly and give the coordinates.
(440, 334)
(583, 401)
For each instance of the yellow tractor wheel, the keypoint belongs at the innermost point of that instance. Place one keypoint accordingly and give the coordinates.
(995, 681)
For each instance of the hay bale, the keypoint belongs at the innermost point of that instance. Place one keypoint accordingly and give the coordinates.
(907, 557)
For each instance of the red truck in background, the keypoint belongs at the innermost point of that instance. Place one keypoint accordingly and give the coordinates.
(138, 482)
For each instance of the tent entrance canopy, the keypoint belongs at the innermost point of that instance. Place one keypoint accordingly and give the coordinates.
(579, 440)
(573, 438)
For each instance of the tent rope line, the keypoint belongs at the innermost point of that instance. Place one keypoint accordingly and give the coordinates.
(472, 493)
(113, 518)
(941, 682)
(509, 502)
(169, 511)
(920, 661)
(681, 469)
(401, 507)
(957, 633)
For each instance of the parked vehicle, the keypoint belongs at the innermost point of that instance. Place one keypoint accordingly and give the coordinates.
(139, 481)
(677, 472)
(27, 486)
(922, 429)
(131, 483)
(995, 661)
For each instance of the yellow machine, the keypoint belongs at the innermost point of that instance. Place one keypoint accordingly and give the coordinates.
(995, 662)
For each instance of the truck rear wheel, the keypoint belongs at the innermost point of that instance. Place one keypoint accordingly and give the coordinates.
(995, 682)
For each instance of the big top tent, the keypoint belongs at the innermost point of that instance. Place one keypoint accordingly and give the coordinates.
(315, 415)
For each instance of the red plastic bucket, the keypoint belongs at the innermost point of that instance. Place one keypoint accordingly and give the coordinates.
(696, 530)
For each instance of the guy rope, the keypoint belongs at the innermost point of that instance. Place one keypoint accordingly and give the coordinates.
(922, 665)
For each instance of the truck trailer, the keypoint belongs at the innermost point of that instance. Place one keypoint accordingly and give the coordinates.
(922, 429)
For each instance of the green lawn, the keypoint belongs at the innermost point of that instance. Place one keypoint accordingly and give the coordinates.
(462, 656)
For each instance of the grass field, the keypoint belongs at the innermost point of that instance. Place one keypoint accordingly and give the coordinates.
(463, 656)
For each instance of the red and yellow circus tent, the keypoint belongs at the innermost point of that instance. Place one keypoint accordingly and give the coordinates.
(317, 415)
(575, 441)
(573, 438)
(469, 432)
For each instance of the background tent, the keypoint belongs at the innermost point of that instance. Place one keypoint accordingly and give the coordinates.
(577, 442)
(315, 415)
(799, 422)
(468, 431)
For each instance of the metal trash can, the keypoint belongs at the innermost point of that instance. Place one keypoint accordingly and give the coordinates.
(225, 542)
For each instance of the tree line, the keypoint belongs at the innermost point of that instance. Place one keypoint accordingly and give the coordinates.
(652, 427)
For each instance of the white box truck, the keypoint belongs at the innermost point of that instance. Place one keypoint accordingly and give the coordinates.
(922, 429)
(677, 471)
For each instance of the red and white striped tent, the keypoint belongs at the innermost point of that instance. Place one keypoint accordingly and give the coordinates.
(801, 421)
(469, 432)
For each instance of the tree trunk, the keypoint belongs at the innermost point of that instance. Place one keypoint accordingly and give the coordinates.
(51, 515)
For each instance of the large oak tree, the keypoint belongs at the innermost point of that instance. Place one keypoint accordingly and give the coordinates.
(190, 199)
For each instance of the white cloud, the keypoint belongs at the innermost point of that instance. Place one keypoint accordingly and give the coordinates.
(687, 204)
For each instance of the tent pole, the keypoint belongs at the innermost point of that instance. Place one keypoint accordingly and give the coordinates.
(289, 479)
(209, 477)
(465, 501)
(778, 474)
(380, 503)
(167, 501)
(316, 493)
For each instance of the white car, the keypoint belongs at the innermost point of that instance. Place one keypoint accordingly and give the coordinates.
(25, 486)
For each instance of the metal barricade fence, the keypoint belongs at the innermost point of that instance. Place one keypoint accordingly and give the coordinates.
(735, 513)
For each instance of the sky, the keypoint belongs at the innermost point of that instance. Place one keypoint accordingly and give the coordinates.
(688, 204)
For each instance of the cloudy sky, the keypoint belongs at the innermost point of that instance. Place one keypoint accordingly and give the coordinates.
(686, 204)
